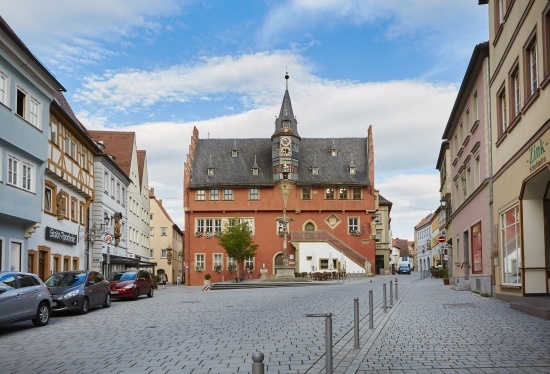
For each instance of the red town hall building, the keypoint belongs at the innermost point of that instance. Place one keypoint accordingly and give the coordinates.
(323, 188)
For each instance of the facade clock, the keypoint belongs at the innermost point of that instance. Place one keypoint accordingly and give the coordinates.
(285, 151)
(285, 141)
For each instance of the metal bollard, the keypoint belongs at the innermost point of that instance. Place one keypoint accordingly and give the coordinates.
(396, 292)
(258, 364)
(391, 293)
(371, 317)
(385, 306)
(328, 339)
(356, 321)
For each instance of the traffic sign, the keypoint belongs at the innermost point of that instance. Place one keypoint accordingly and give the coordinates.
(108, 239)
(442, 239)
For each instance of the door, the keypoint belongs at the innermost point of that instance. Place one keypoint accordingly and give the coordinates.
(41, 265)
(28, 294)
(9, 299)
(466, 243)
(547, 243)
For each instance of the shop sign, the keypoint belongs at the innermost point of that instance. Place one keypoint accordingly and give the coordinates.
(60, 236)
(536, 155)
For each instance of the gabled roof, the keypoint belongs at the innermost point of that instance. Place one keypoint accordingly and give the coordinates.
(236, 171)
(383, 201)
(403, 246)
(424, 221)
(118, 144)
(141, 155)
(63, 105)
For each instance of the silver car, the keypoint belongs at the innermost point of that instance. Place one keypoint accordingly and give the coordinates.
(23, 296)
(78, 290)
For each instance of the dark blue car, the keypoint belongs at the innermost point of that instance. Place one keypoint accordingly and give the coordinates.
(404, 269)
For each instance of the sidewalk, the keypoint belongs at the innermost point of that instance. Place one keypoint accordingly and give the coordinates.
(434, 329)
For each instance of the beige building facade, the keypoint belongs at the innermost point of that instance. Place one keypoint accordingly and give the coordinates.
(520, 116)
(166, 242)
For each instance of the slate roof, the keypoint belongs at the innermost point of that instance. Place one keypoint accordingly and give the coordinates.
(383, 201)
(237, 171)
(118, 144)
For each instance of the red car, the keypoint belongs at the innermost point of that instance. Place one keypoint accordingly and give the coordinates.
(131, 284)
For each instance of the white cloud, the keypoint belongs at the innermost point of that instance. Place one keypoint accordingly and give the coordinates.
(408, 119)
(70, 32)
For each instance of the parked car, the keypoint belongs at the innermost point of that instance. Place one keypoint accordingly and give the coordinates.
(404, 269)
(131, 284)
(78, 290)
(23, 296)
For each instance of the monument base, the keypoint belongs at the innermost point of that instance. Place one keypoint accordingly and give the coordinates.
(284, 272)
(263, 274)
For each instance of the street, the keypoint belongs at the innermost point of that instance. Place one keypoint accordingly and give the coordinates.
(429, 329)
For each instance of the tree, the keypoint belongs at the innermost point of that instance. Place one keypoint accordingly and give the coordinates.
(237, 241)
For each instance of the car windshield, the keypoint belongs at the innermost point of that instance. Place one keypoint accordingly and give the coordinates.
(130, 275)
(66, 279)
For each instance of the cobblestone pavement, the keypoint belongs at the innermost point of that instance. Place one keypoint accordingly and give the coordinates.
(429, 329)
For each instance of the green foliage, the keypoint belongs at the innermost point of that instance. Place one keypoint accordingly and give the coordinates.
(237, 241)
(207, 276)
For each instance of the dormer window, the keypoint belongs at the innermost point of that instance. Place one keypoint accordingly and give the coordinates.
(352, 168)
(334, 152)
(210, 171)
(315, 170)
(255, 168)
(234, 153)
(286, 125)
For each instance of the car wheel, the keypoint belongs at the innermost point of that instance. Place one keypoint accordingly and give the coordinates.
(85, 306)
(136, 294)
(107, 302)
(42, 315)
(150, 294)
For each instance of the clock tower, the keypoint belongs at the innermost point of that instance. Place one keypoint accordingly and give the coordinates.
(285, 142)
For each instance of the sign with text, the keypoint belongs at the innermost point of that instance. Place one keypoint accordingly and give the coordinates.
(60, 236)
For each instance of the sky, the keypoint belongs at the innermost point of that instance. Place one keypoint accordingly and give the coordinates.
(162, 67)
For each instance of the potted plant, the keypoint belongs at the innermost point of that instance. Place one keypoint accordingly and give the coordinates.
(207, 279)
(445, 276)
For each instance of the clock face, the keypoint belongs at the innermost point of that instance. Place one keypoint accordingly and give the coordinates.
(285, 141)
(285, 151)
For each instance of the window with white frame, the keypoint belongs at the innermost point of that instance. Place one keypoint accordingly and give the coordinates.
(228, 194)
(151, 253)
(353, 225)
(113, 187)
(254, 194)
(511, 246)
(377, 218)
(215, 195)
(475, 106)
(123, 197)
(218, 260)
(163, 253)
(231, 263)
(249, 263)
(34, 112)
(53, 132)
(106, 181)
(21, 173)
(199, 261)
(4, 89)
(21, 107)
(73, 150)
(163, 231)
(533, 66)
(201, 195)
(48, 199)
(151, 231)
(217, 225)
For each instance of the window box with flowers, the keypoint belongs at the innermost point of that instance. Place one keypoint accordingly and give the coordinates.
(355, 232)
(198, 234)
(208, 235)
(231, 268)
(199, 268)
(218, 268)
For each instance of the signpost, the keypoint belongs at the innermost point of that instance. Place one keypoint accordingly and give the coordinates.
(441, 239)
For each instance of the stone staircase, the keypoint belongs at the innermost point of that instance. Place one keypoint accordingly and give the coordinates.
(325, 236)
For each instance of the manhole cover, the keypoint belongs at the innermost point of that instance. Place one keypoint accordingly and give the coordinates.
(190, 302)
(460, 305)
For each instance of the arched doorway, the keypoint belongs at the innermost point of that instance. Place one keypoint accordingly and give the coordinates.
(279, 260)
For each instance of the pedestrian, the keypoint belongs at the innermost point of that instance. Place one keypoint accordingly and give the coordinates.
(163, 280)
(178, 280)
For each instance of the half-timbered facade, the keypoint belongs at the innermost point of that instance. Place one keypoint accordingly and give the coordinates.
(66, 194)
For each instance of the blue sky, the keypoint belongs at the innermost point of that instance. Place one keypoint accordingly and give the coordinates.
(161, 67)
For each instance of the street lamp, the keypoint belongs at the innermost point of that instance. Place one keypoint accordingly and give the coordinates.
(443, 202)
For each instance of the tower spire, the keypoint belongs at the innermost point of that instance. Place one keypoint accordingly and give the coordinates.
(286, 78)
